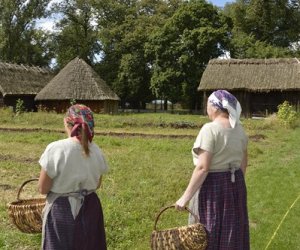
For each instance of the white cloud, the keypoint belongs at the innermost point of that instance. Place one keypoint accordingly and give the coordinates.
(45, 24)
(226, 55)
(49, 22)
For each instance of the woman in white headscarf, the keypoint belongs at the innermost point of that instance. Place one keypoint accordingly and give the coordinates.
(217, 190)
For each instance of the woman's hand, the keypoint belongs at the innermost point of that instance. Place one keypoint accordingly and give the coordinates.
(181, 204)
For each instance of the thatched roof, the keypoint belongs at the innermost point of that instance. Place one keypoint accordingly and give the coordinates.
(77, 80)
(22, 80)
(252, 74)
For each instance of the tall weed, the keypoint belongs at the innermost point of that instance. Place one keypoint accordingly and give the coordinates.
(287, 115)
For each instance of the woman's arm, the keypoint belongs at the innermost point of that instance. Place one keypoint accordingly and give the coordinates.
(45, 182)
(244, 163)
(199, 174)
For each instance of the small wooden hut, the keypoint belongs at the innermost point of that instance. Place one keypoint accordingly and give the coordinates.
(259, 84)
(79, 82)
(21, 82)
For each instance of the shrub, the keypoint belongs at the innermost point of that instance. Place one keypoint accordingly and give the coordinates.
(287, 114)
(20, 107)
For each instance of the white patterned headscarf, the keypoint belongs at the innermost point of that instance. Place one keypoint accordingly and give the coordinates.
(225, 101)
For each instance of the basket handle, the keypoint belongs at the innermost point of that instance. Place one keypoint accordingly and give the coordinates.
(173, 206)
(22, 186)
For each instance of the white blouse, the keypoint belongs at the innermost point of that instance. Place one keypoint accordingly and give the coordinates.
(70, 169)
(226, 144)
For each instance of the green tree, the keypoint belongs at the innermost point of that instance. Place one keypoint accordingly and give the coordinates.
(78, 34)
(275, 22)
(181, 49)
(246, 46)
(20, 42)
(263, 28)
(125, 28)
(113, 27)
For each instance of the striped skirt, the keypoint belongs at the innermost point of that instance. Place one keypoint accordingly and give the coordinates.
(86, 232)
(223, 211)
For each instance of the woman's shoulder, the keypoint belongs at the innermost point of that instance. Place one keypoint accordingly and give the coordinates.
(58, 144)
(95, 146)
(207, 129)
(210, 126)
(240, 129)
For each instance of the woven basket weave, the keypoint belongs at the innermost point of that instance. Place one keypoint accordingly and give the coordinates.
(26, 214)
(191, 237)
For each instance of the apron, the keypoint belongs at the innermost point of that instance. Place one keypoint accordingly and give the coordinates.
(75, 199)
(194, 202)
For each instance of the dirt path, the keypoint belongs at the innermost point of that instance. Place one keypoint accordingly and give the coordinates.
(117, 134)
(255, 138)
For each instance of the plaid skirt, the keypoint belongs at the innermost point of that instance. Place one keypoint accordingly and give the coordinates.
(86, 232)
(223, 211)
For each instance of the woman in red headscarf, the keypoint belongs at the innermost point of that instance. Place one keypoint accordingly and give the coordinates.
(71, 171)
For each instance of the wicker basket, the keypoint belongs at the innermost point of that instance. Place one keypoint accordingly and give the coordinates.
(191, 237)
(26, 214)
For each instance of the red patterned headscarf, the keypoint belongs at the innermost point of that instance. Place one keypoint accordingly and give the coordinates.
(80, 116)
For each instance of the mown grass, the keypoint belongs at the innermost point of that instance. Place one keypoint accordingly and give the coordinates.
(153, 123)
(149, 173)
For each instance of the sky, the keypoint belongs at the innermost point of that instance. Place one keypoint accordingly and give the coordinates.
(219, 3)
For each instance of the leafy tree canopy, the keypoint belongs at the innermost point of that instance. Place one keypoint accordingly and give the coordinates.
(264, 28)
(125, 28)
(20, 42)
(78, 35)
(181, 49)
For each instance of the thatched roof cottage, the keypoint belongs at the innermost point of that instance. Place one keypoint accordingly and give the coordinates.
(259, 84)
(78, 81)
(21, 82)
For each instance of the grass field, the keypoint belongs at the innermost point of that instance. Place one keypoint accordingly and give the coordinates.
(149, 172)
